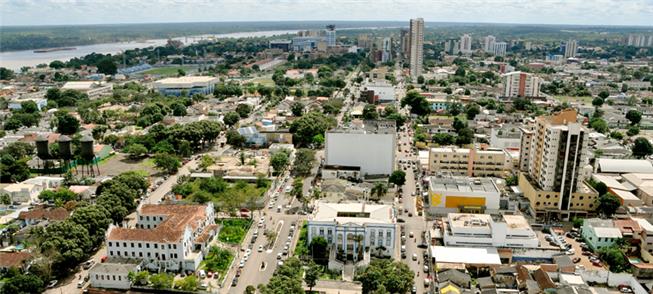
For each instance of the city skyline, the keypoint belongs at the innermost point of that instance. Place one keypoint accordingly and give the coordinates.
(77, 12)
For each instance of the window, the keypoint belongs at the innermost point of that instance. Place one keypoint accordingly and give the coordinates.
(140, 245)
(110, 253)
(124, 244)
(132, 244)
(156, 246)
(140, 254)
(147, 245)
(133, 254)
(109, 243)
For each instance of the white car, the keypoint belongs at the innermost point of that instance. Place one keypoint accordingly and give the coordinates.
(242, 263)
(260, 248)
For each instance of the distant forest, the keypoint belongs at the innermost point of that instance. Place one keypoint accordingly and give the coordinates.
(13, 38)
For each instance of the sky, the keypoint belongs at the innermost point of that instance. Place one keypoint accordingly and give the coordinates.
(582, 12)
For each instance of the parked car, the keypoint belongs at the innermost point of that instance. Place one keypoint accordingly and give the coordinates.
(52, 283)
(414, 256)
(234, 282)
(88, 264)
(576, 259)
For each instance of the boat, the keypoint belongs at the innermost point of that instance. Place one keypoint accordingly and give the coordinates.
(54, 49)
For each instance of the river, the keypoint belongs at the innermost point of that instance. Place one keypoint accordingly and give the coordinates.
(17, 59)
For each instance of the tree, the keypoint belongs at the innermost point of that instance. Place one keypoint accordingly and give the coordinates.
(243, 110)
(140, 278)
(597, 102)
(378, 191)
(319, 249)
(604, 94)
(395, 277)
(310, 124)
(458, 124)
(444, 139)
(67, 124)
(286, 279)
(608, 204)
(95, 219)
(188, 283)
(135, 151)
(599, 125)
(161, 281)
(369, 112)
(68, 242)
(6, 74)
(297, 108)
(398, 177)
(235, 139)
(167, 162)
(29, 107)
(251, 289)
(23, 283)
(642, 148)
(615, 258)
(632, 131)
(206, 161)
(304, 161)
(231, 118)
(465, 136)
(418, 104)
(471, 110)
(420, 80)
(279, 161)
(311, 274)
(616, 135)
(454, 108)
(297, 190)
(634, 116)
(178, 109)
(107, 66)
(57, 64)
(61, 195)
(600, 187)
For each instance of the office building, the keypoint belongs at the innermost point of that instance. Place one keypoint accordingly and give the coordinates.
(330, 34)
(558, 165)
(307, 43)
(483, 230)
(570, 48)
(354, 229)
(416, 47)
(450, 194)
(379, 92)
(190, 85)
(500, 48)
(488, 44)
(284, 45)
(520, 84)
(167, 236)
(466, 44)
(370, 146)
(469, 162)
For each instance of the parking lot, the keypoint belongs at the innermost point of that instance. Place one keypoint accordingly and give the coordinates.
(578, 252)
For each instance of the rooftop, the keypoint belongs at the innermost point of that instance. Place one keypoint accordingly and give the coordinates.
(82, 85)
(609, 165)
(41, 213)
(13, 259)
(187, 81)
(463, 184)
(358, 213)
(466, 255)
(370, 127)
(118, 266)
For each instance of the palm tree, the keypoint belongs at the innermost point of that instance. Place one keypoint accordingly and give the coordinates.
(379, 190)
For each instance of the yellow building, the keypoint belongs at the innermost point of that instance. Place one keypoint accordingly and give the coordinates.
(470, 162)
(449, 194)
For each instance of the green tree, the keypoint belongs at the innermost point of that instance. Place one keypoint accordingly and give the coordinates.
(231, 118)
(304, 162)
(188, 283)
(57, 64)
(471, 110)
(599, 125)
(465, 136)
(29, 107)
(615, 258)
(310, 124)
(454, 108)
(418, 104)
(632, 131)
(206, 161)
(107, 66)
(135, 151)
(279, 161)
(23, 283)
(61, 195)
(398, 178)
(243, 110)
(369, 112)
(616, 135)
(95, 219)
(394, 276)
(250, 289)
(642, 148)
(378, 191)
(178, 109)
(235, 139)
(67, 243)
(167, 162)
(319, 249)
(604, 94)
(597, 102)
(140, 278)
(6, 74)
(608, 204)
(311, 274)
(161, 281)
(67, 124)
(297, 108)
(634, 116)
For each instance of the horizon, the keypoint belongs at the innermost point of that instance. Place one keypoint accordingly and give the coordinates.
(550, 12)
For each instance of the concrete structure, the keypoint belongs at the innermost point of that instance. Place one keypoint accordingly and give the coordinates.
(599, 233)
(284, 45)
(500, 48)
(520, 84)
(380, 92)
(404, 40)
(638, 40)
(330, 34)
(93, 89)
(113, 274)
(505, 137)
(646, 239)
(370, 147)
(416, 47)
(452, 46)
(307, 43)
(466, 44)
(488, 43)
(386, 50)
(472, 256)
(469, 162)
(484, 231)
(641, 184)
(350, 227)
(23, 192)
(558, 165)
(190, 84)
(570, 48)
(252, 136)
(623, 166)
(167, 236)
(448, 194)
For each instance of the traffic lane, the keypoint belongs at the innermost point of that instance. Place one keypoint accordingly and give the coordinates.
(417, 266)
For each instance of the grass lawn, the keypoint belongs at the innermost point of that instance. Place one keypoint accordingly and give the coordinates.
(301, 248)
(586, 100)
(233, 230)
(167, 71)
(263, 81)
(218, 260)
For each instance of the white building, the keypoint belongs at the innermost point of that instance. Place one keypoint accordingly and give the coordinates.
(190, 84)
(416, 47)
(488, 43)
(600, 233)
(113, 275)
(93, 89)
(386, 50)
(351, 227)
(370, 147)
(23, 193)
(571, 47)
(169, 237)
(520, 84)
(383, 92)
(500, 48)
(449, 194)
(330, 34)
(466, 44)
(482, 230)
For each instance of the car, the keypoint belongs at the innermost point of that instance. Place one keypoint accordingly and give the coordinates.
(234, 282)
(587, 253)
(52, 283)
(625, 289)
(203, 286)
(414, 256)
(403, 248)
(81, 283)
(410, 214)
(597, 263)
(260, 248)
(401, 220)
(279, 256)
(414, 291)
(271, 205)
(245, 257)
(426, 268)
(280, 262)
(202, 274)
(411, 235)
(576, 259)
(248, 251)
(209, 275)
(242, 263)
(403, 255)
(238, 272)
(88, 264)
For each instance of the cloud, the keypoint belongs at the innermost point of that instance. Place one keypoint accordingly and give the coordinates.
(596, 12)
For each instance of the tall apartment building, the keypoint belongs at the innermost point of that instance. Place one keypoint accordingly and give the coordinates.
(386, 50)
(167, 236)
(558, 165)
(416, 47)
(570, 48)
(330, 34)
(520, 84)
(500, 48)
(469, 162)
(452, 46)
(404, 40)
(488, 43)
(640, 40)
(466, 44)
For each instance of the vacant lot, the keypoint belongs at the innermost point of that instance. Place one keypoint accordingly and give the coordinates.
(586, 100)
(119, 163)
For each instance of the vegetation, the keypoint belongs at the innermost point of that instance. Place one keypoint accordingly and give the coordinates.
(218, 260)
(306, 128)
(227, 197)
(233, 230)
(287, 278)
(386, 276)
(642, 148)
(304, 162)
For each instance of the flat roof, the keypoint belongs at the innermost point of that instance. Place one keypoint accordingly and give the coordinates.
(464, 220)
(609, 165)
(516, 221)
(607, 232)
(466, 255)
(462, 184)
(187, 81)
(358, 213)
(625, 195)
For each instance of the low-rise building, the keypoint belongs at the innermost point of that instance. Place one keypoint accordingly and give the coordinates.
(461, 229)
(449, 194)
(599, 233)
(469, 162)
(189, 84)
(168, 236)
(94, 89)
(17, 260)
(113, 274)
(39, 214)
(379, 92)
(23, 193)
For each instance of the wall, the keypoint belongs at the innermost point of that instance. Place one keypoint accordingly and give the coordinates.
(374, 153)
(612, 279)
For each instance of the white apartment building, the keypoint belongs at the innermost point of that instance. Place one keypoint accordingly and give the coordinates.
(351, 227)
(416, 47)
(167, 236)
(466, 44)
(370, 146)
(500, 48)
(488, 43)
(470, 162)
(520, 84)
(571, 48)
(462, 229)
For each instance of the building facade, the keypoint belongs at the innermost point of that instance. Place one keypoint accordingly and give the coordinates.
(450, 194)
(520, 84)
(461, 229)
(599, 233)
(190, 85)
(469, 162)
(570, 48)
(500, 48)
(466, 44)
(488, 44)
(416, 47)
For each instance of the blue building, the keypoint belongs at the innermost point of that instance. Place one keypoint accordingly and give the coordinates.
(252, 136)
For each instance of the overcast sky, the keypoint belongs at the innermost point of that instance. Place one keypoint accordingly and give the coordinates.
(591, 12)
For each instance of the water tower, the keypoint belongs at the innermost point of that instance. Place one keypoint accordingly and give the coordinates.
(65, 152)
(87, 155)
(43, 153)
